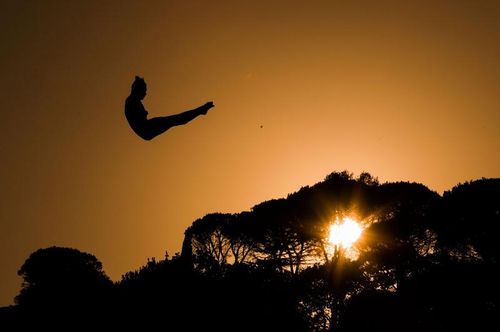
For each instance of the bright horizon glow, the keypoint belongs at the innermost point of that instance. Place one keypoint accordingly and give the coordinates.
(345, 233)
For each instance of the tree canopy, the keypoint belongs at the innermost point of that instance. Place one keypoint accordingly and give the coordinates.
(423, 262)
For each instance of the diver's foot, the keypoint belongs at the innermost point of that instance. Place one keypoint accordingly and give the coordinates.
(204, 108)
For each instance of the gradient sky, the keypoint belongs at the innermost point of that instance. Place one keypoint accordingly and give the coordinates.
(406, 90)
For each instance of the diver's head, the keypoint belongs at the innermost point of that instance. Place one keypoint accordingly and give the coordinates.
(139, 88)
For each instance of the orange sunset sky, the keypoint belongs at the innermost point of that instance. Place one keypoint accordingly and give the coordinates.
(406, 90)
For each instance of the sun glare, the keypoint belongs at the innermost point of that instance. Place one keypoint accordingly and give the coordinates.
(345, 233)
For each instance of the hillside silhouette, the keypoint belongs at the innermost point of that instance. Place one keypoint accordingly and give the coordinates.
(425, 262)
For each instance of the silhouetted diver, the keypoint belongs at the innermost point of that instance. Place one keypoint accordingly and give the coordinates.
(150, 128)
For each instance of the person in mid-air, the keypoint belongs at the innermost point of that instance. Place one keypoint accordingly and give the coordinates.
(150, 128)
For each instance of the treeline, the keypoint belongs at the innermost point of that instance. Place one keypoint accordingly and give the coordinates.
(424, 262)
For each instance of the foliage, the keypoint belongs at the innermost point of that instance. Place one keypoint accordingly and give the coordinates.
(424, 262)
(61, 276)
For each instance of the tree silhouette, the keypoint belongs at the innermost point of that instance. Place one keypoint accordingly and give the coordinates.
(469, 220)
(423, 263)
(63, 288)
(401, 239)
(61, 276)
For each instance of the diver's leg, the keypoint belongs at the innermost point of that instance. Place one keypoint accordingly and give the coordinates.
(159, 125)
(182, 118)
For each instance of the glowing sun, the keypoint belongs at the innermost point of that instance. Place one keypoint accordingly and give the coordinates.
(345, 233)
